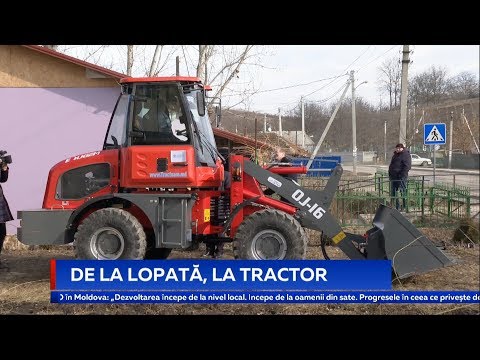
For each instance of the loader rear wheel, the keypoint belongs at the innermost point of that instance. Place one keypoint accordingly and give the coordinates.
(110, 234)
(270, 235)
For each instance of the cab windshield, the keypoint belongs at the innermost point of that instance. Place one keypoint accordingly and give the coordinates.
(207, 150)
(159, 116)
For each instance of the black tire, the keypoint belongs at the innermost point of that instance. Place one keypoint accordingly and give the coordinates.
(425, 163)
(110, 234)
(270, 234)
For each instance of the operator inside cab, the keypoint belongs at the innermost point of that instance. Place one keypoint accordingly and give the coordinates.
(159, 116)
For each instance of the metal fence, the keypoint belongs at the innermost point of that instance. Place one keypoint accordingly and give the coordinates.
(358, 197)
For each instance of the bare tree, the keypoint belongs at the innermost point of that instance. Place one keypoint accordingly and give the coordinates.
(51, 47)
(229, 70)
(390, 80)
(129, 59)
(205, 52)
(95, 54)
(218, 66)
(463, 86)
(91, 53)
(429, 87)
(160, 59)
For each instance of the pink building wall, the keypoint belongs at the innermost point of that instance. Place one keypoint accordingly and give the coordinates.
(41, 126)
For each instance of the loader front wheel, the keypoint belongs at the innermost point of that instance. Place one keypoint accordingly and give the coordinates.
(270, 235)
(110, 234)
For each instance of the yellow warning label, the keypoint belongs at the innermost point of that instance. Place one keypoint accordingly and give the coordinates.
(339, 237)
(206, 215)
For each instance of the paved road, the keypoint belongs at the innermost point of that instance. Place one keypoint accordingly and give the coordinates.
(469, 178)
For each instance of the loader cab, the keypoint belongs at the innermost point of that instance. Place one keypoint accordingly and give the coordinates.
(168, 112)
(163, 135)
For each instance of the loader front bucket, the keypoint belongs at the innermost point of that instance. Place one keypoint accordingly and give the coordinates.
(411, 252)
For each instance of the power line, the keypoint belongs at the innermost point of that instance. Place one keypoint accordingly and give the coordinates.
(377, 57)
(297, 85)
(359, 56)
(323, 87)
(319, 101)
(334, 79)
(330, 97)
(311, 101)
(286, 87)
(315, 81)
(353, 62)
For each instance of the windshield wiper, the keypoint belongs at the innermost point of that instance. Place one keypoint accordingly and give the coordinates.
(214, 151)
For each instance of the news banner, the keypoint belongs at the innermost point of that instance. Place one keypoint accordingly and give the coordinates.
(235, 281)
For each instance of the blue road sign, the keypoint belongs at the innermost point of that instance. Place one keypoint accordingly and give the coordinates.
(434, 134)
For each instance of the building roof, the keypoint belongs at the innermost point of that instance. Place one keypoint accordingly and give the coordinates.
(239, 138)
(161, 79)
(264, 141)
(76, 61)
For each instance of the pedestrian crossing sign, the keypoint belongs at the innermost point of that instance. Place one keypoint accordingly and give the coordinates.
(434, 134)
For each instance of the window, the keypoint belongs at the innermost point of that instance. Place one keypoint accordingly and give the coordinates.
(207, 137)
(83, 181)
(117, 128)
(158, 114)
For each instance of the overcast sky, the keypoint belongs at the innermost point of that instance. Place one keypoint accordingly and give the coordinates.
(306, 63)
(291, 65)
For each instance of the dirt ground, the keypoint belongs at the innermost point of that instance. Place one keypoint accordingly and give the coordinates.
(24, 287)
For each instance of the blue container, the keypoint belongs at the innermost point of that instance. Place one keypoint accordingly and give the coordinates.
(322, 166)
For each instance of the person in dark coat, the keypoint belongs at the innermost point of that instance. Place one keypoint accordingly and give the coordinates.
(398, 174)
(5, 213)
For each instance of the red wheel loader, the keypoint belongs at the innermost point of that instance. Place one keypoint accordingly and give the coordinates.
(159, 184)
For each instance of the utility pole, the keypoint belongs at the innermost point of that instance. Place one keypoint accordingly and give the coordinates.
(403, 97)
(264, 123)
(177, 63)
(413, 129)
(385, 141)
(423, 122)
(450, 141)
(354, 124)
(303, 122)
(314, 153)
(280, 123)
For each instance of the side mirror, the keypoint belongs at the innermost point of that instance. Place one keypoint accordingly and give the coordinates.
(201, 103)
(218, 116)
